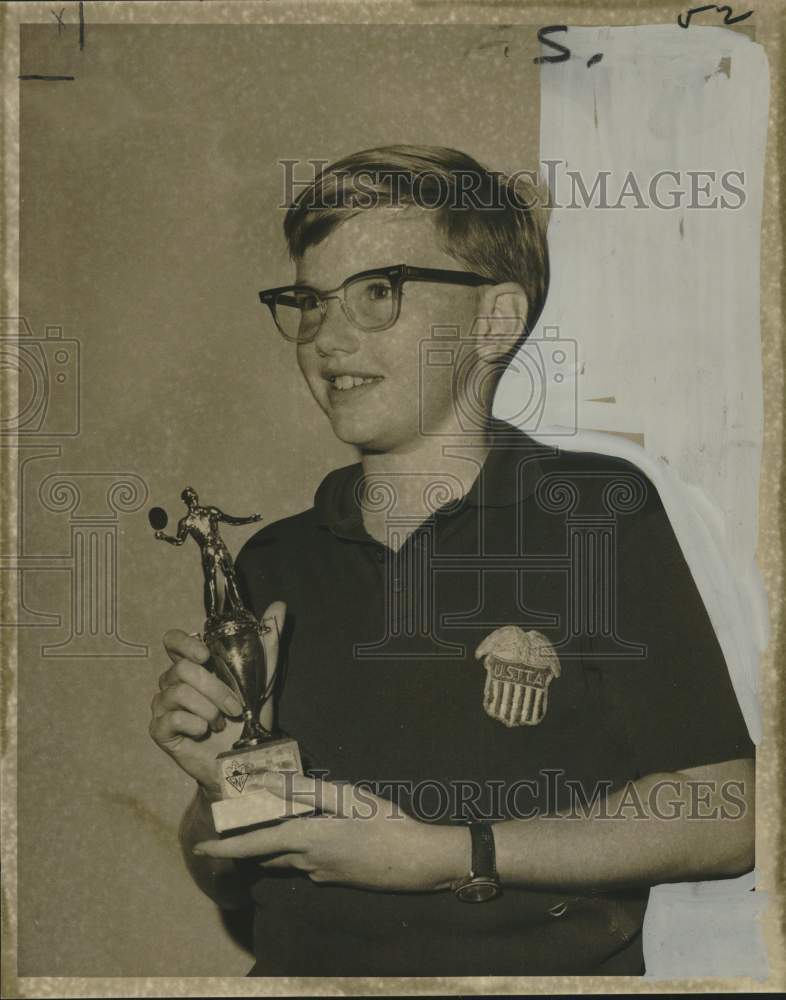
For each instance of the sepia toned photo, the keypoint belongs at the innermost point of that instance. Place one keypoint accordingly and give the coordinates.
(392, 553)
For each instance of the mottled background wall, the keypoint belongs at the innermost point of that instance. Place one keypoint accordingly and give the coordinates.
(150, 217)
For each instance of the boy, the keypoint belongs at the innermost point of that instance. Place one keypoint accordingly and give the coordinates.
(497, 665)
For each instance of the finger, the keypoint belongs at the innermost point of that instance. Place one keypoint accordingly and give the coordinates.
(167, 727)
(283, 861)
(273, 618)
(281, 839)
(217, 722)
(179, 644)
(336, 798)
(203, 681)
(330, 797)
(186, 697)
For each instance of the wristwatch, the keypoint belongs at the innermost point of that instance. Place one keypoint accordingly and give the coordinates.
(482, 883)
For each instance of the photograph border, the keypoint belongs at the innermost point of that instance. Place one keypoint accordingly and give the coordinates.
(769, 31)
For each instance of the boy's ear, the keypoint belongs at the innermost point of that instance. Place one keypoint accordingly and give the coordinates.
(502, 315)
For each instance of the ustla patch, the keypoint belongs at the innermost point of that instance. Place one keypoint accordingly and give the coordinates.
(520, 667)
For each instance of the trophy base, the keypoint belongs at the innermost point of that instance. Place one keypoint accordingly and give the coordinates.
(246, 801)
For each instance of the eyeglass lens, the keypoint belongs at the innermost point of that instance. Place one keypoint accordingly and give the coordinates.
(369, 302)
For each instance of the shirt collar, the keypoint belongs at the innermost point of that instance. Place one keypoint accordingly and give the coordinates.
(511, 470)
(508, 476)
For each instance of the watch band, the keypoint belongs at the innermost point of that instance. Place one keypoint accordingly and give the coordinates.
(484, 856)
(482, 883)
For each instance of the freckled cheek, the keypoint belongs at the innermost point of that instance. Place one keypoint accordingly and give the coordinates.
(306, 363)
(313, 378)
(305, 360)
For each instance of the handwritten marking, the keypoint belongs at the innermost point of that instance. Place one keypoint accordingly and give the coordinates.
(564, 52)
(40, 76)
(683, 20)
(59, 19)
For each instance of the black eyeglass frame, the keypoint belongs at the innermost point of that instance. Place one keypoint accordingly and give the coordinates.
(397, 274)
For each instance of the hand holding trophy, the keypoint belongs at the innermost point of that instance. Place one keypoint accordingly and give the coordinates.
(234, 637)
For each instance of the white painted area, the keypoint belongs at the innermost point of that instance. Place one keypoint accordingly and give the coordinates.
(661, 309)
(730, 941)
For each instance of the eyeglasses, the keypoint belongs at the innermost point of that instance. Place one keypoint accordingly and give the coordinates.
(371, 300)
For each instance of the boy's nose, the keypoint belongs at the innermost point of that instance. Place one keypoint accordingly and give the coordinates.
(336, 332)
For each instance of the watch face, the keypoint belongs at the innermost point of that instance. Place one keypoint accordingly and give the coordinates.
(478, 891)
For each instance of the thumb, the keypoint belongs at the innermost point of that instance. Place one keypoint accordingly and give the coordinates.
(273, 618)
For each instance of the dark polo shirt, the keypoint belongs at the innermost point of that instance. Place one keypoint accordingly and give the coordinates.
(380, 684)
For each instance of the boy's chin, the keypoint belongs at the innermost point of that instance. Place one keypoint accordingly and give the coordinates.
(363, 435)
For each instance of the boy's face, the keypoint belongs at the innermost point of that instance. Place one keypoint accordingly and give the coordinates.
(384, 415)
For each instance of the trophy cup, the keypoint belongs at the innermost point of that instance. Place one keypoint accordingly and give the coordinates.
(234, 637)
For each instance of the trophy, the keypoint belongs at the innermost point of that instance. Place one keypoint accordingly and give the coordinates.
(234, 637)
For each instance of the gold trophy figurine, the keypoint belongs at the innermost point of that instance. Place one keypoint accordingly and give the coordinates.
(234, 637)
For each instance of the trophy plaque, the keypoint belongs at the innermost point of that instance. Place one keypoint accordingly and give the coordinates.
(233, 634)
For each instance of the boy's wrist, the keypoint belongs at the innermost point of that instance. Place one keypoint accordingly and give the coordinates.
(445, 855)
(208, 794)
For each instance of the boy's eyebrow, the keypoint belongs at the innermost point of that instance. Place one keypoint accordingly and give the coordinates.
(298, 283)
(305, 283)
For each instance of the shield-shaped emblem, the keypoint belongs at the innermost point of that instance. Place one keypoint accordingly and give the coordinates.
(520, 667)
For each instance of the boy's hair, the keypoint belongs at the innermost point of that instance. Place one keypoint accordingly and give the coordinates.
(491, 223)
